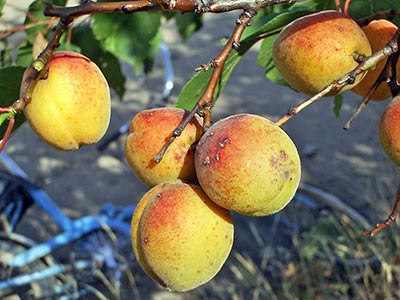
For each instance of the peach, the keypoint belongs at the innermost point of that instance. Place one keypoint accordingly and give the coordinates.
(179, 236)
(149, 131)
(248, 164)
(313, 51)
(378, 32)
(389, 130)
(71, 106)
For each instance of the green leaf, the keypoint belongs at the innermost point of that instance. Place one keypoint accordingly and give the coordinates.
(24, 54)
(10, 81)
(2, 2)
(264, 60)
(84, 39)
(134, 38)
(188, 23)
(316, 5)
(276, 22)
(35, 13)
(364, 8)
(338, 102)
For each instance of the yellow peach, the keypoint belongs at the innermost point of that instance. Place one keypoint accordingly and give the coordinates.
(314, 50)
(248, 164)
(389, 130)
(180, 237)
(379, 32)
(148, 132)
(71, 106)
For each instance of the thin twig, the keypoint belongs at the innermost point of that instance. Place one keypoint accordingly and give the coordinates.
(346, 7)
(10, 31)
(388, 75)
(390, 220)
(206, 100)
(338, 6)
(10, 126)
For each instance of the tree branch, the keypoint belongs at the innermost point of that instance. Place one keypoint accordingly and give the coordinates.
(37, 69)
(201, 6)
(206, 100)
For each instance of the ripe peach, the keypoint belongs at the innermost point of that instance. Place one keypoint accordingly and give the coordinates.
(180, 237)
(71, 106)
(378, 32)
(248, 164)
(148, 132)
(316, 49)
(389, 130)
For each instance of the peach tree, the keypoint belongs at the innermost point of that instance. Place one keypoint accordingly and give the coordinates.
(318, 47)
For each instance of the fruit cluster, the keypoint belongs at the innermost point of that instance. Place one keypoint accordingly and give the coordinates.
(182, 228)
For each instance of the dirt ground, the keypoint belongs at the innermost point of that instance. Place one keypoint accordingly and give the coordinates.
(349, 164)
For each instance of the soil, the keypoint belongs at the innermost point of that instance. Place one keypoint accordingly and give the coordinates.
(349, 164)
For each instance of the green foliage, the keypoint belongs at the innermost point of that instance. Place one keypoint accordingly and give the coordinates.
(2, 2)
(187, 24)
(133, 38)
(364, 8)
(337, 104)
(10, 80)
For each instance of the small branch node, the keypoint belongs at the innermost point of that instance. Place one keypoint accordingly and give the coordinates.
(235, 46)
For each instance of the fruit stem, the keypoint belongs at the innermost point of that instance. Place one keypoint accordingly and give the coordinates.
(346, 7)
(390, 220)
(338, 6)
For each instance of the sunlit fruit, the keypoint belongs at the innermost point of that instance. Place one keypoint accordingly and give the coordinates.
(70, 107)
(248, 164)
(379, 32)
(389, 130)
(149, 131)
(314, 50)
(180, 237)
